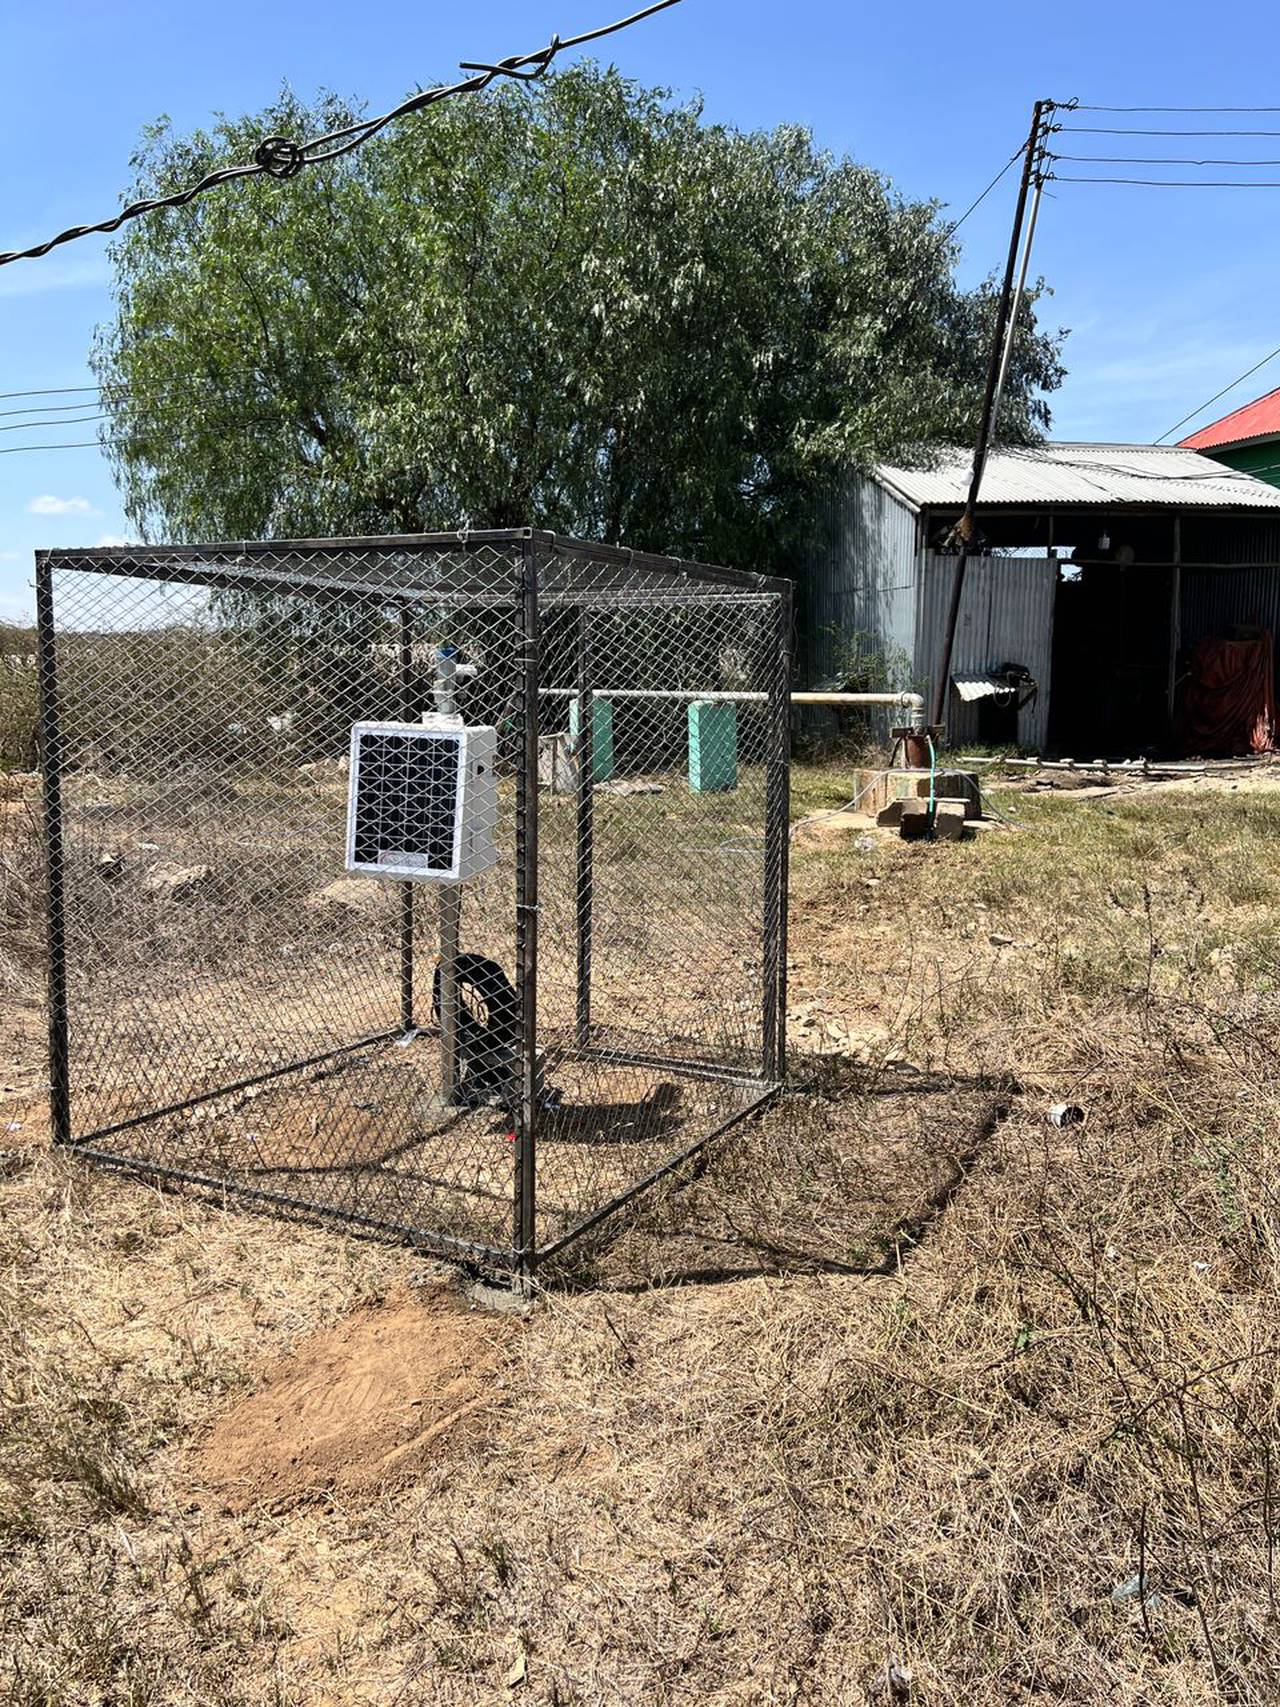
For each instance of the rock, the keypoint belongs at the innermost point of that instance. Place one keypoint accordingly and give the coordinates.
(361, 895)
(828, 827)
(890, 816)
(631, 785)
(177, 882)
(110, 867)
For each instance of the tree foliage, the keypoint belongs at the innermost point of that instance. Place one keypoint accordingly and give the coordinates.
(575, 305)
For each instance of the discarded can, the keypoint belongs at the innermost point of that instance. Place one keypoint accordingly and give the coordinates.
(1066, 1114)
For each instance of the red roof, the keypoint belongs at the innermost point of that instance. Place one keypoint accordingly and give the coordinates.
(1257, 420)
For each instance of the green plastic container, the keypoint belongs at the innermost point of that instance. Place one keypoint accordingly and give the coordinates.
(713, 746)
(601, 735)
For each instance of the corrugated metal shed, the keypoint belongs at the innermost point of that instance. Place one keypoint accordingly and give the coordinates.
(1006, 617)
(861, 582)
(1081, 474)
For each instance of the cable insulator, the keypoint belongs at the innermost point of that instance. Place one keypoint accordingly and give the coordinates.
(279, 156)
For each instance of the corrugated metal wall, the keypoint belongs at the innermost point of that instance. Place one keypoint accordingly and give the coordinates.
(1253, 539)
(861, 583)
(1217, 599)
(1006, 617)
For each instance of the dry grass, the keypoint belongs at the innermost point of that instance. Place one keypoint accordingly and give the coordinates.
(910, 1396)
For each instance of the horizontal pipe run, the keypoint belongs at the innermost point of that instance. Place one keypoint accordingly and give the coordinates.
(1179, 767)
(905, 701)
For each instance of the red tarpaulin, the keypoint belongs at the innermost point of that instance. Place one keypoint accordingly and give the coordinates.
(1229, 704)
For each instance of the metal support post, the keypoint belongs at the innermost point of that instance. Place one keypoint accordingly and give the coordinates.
(450, 934)
(526, 1235)
(408, 712)
(51, 760)
(586, 826)
(777, 843)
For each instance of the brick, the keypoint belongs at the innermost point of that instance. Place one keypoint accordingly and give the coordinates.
(948, 819)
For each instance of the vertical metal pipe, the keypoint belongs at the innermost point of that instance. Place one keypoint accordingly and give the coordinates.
(586, 824)
(1012, 329)
(527, 916)
(450, 902)
(777, 845)
(450, 939)
(51, 762)
(408, 711)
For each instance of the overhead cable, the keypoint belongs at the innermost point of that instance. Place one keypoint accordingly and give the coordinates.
(1103, 130)
(282, 157)
(1084, 107)
(1153, 160)
(1239, 380)
(1171, 183)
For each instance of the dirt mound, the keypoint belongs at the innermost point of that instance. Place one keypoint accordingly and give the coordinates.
(357, 1407)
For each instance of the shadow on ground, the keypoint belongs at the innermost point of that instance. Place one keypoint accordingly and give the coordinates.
(842, 1177)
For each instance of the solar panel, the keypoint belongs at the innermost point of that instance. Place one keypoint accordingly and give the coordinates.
(422, 801)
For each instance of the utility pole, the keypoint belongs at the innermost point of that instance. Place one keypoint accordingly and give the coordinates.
(997, 367)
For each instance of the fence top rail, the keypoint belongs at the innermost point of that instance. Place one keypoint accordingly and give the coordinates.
(227, 557)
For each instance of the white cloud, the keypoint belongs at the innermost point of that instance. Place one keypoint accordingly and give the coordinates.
(47, 505)
(116, 539)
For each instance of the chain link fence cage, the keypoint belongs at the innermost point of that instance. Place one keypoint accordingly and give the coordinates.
(486, 1068)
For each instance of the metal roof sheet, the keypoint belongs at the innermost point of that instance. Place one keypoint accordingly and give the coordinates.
(1103, 475)
(1257, 420)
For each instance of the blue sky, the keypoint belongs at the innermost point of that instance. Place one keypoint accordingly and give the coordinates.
(1168, 293)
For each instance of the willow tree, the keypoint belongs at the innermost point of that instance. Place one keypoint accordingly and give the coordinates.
(576, 305)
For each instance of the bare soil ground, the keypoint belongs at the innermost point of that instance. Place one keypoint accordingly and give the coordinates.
(355, 1410)
(908, 1396)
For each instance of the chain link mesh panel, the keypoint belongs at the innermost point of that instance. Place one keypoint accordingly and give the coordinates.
(484, 1067)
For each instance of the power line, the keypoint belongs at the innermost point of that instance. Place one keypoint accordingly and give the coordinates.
(54, 391)
(52, 409)
(1083, 107)
(77, 421)
(978, 200)
(1219, 473)
(1247, 374)
(239, 423)
(281, 157)
(1103, 130)
(1172, 183)
(1153, 160)
(77, 444)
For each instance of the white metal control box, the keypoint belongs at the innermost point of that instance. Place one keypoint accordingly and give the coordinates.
(422, 801)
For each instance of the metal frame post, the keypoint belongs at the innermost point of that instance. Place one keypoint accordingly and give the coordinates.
(777, 845)
(450, 926)
(527, 920)
(408, 712)
(586, 825)
(51, 759)
(1175, 626)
